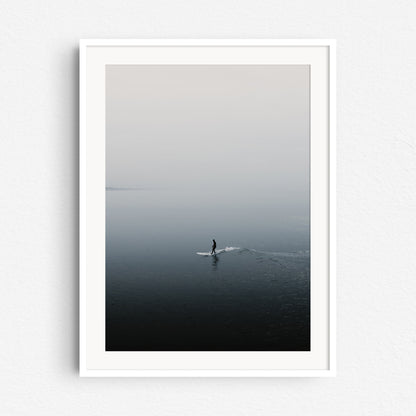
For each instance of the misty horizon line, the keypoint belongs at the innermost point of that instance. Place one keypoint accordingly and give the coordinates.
(131, 188)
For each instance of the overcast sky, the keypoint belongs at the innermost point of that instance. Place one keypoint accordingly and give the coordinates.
(220, 128)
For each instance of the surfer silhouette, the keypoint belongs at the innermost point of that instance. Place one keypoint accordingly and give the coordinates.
(214, 246)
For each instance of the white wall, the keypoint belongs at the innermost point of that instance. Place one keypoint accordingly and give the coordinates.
(376, 197)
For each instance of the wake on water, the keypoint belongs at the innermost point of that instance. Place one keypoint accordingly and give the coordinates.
(253, 251)
(290, 262)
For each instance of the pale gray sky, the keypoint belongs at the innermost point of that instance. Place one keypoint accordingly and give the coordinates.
(223, 128)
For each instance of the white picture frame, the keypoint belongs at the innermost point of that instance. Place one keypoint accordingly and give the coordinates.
(320, 361)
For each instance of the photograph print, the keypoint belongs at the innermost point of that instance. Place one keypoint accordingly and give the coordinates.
(207, 207)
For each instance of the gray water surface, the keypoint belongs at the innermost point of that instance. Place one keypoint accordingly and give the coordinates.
(162, 295)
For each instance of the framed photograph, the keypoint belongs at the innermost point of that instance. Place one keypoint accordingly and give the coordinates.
(207, 206)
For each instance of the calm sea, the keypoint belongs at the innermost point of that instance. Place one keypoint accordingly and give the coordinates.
(162, 295)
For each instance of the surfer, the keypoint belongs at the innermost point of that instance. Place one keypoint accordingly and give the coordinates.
(214, 246)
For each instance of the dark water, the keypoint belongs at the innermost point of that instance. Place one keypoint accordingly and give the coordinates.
(161, 295)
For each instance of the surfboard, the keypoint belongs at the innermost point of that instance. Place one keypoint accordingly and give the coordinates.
(218, 251)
